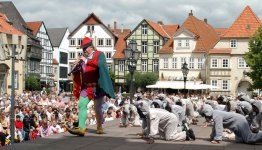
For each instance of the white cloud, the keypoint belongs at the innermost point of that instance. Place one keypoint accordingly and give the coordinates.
(70, 13)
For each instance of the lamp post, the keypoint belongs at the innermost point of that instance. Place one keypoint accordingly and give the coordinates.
(13, 47)
(132, 55)
(185, 71)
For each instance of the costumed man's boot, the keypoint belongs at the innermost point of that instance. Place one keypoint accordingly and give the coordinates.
(100, 130)
(76, 131)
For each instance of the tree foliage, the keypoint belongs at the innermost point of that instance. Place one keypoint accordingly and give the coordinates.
(254, 59)
(143, 79)
(32, 83)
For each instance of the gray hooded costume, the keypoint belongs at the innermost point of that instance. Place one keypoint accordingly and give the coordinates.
(236, 123)
(130, 115)
(256, 117)
(160, 121)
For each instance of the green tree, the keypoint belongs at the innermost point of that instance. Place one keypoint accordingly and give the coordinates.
(142, 79)
(32, 83)
(254, 59)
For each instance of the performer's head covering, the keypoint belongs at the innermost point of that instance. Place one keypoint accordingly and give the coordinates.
(86, 43)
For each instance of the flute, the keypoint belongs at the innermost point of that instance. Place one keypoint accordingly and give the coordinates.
(77, 67)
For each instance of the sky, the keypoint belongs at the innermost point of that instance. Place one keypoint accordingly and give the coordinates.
(129, 13)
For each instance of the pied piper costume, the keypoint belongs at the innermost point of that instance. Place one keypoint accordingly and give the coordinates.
(92, 81)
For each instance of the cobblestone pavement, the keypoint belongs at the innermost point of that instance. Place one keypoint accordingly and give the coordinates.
(126, 139)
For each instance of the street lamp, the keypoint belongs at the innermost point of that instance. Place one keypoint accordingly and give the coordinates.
(185, 72)
(12, 47)
(132, 55)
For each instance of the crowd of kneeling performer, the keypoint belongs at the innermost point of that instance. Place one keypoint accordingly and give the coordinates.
(169, 118)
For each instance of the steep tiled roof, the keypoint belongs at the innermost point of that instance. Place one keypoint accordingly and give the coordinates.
(220, 51)
(220, 31)
(92, 19)
(35, 26)
(120, 43)
(171, 29)
(245, 25)
(163, 30)
(206, 34)
(56, 35)
(5, 27)
(168, 47)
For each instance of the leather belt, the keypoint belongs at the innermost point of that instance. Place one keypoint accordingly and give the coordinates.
(91, 84)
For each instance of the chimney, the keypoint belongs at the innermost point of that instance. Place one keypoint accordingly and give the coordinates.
(108, 26)
(191, 13)
(160, 22)
(205, 20)
(122, 28)
(115, 26)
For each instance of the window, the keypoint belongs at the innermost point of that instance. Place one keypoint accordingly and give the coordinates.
(183, 60)
(242, 63)
(144, 29)
(214, 63)
(144, 46)
(187, 43)
(174, 63)
(225, 63)
(72, 42)
(63, 58)
(108, 42)
(108, 55)
(233, 43)
(100, 42)
(214, 82)
(200, 63)
(63, 72)
(144, 65)
(156, 47)
(225, 85)
(155, 66)
(72, 55)
(109, 67)
(79, 41)
(121, 66)
(191, 63)
(90, 28)
(165, 63)
(179, 43)
(80, 54)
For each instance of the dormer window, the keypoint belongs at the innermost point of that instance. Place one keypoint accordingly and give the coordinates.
(233, 43)
(248, 27)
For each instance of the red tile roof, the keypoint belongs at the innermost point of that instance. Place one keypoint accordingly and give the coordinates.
(164, 30)
(220, 31)
(168, 47)
(5, 27)
(171, 29)
(245, 25)
(55, 62)
(205, 33)
(120, 43)
(35, 26)
(220, 51)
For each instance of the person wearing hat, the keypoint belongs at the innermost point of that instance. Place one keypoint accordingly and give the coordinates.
(91, 81)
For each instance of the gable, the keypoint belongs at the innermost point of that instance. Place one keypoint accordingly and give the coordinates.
(244, 26)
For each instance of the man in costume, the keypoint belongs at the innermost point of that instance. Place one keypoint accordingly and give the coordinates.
(91, 81)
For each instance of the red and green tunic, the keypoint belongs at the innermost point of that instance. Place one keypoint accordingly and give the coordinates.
(94, 78)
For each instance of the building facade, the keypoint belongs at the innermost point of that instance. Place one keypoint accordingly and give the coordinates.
(60, 44)
(46, 69)
(227, 66)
